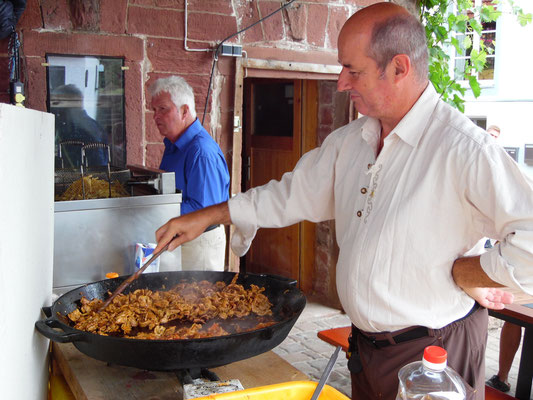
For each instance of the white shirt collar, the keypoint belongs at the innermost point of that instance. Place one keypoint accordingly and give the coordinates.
(411, 127)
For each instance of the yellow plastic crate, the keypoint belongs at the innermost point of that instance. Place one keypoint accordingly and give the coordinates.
(297, 390)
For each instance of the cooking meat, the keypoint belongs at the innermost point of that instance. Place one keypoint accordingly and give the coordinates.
(183, 312)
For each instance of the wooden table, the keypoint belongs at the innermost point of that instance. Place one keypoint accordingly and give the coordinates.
(90, 379)
(517, 313)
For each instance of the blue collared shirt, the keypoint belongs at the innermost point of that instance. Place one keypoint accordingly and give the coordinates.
(200, 168)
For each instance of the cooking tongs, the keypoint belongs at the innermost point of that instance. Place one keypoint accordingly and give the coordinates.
(132, 277)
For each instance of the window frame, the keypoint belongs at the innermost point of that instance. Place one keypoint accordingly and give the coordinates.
(476, 39)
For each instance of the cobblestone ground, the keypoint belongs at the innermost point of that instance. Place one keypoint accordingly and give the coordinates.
(305, 351)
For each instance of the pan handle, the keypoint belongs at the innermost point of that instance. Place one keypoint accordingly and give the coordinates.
(45, 328)
(288, 281)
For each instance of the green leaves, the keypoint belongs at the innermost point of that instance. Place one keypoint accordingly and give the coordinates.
(474, 85)
(450, 25)
(489, 13)
(524, 19)
(477, 59)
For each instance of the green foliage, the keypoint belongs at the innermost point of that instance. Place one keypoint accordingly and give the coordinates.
(452, 23)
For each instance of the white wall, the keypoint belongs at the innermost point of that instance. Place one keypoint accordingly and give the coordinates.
(508, 103)
(26, 248)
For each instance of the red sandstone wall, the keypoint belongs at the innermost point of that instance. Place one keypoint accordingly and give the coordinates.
(333, 112)
(149, 35)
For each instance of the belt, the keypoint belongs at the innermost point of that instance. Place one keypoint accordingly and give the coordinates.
(384, 339)
(211, 227)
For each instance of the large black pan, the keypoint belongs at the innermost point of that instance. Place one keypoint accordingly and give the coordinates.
(166, 355)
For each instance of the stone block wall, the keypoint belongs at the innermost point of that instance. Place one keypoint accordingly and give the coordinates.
(333, 112)
(149, 35)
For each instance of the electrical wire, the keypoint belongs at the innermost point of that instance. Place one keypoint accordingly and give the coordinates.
(185, 34)
(14, 57)
(217, 50)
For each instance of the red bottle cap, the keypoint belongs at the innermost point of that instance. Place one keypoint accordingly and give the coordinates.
(435, 354)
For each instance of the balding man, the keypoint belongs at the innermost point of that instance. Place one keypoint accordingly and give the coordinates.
(412, 186)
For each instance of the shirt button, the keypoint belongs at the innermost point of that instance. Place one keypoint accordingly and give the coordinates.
(363, 190)
(369, 166)
(359, 213)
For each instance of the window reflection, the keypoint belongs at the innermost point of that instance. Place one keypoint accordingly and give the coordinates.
(74, 127)
(86, 94)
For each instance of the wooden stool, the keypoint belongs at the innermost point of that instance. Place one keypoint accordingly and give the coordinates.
(336, 336)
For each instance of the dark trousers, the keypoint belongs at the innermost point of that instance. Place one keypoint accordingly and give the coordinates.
(374, 364)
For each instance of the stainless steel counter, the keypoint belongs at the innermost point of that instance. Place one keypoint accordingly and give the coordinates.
(93, 237)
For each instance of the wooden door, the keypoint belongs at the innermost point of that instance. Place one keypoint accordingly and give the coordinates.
(273, 127)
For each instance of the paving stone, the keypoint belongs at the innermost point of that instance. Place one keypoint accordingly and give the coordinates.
(308, 326)
(319, 364)
(289, 340)
(293, 347)
(310, 335)
(319, 346)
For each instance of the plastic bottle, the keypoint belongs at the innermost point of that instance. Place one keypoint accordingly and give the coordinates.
(430, 378)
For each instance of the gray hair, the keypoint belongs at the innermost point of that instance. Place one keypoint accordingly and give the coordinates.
(400, 34)
(180, 91)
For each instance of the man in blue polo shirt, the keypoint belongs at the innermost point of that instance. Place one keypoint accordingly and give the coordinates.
(198, 163)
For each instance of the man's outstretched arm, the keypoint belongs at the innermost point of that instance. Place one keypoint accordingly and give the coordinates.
(187, 227)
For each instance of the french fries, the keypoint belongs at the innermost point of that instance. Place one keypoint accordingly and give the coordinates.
(95, 188)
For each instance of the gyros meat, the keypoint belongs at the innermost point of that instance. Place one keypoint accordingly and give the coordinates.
(187, 311)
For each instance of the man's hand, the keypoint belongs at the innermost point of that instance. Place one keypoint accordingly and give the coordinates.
(492, 298)
(469, 276)
(183, 229)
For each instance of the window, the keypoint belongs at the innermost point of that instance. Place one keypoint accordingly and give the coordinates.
(472, 42)
(86, 94)
(479, 121)
(273, 109)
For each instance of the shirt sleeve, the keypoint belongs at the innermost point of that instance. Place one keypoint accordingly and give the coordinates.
(306, 193)
(502, 196)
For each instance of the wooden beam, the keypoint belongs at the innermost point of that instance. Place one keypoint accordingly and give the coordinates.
(307, 229)
(236, 159)
(290, 66)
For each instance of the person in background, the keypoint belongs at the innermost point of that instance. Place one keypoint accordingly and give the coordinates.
(510, 337)
(73, 124)
(494, 131)
(412, 186)
(198, 163)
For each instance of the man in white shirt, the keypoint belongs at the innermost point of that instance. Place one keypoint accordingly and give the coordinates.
(412, 186)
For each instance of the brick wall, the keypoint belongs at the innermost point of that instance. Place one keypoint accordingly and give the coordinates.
(333, 112)
(149, 35)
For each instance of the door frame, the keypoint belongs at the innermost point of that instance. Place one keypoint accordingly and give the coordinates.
(251, 67)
